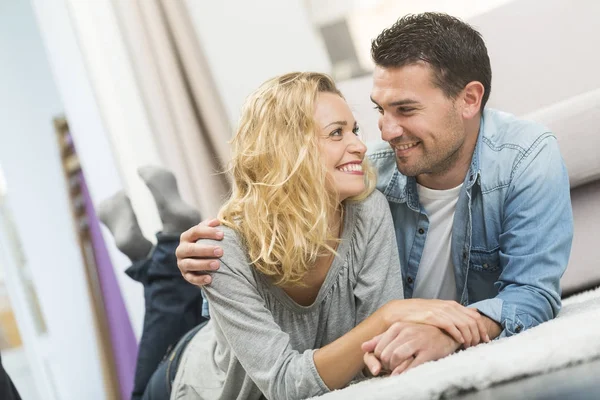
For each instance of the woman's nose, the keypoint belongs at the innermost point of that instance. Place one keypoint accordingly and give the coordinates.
(357, 146)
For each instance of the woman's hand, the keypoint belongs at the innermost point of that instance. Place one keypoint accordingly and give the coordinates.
(405, 346)
(465, 325)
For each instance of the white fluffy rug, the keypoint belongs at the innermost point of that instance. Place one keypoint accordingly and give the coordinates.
(573, 337)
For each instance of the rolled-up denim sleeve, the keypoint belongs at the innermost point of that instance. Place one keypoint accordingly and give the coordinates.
(535, 242)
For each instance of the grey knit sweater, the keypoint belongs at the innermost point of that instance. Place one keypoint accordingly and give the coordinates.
(260, 342)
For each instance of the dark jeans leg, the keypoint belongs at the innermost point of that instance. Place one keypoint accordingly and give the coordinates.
(173, 308)
(161, 382)
(7, 388)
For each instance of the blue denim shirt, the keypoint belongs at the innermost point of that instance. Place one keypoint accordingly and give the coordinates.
(513, 226)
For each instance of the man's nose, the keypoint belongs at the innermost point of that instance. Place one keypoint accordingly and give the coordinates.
(390, 129)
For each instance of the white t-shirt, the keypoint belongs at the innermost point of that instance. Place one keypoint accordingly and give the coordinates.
(435, 277)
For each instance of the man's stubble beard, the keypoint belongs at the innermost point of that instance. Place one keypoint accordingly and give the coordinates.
(440, 162)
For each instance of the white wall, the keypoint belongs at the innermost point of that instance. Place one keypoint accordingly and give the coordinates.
(37, 195)
(541, 52)
(247, 42)
(366, 18)
(357, 92)
(73, 77)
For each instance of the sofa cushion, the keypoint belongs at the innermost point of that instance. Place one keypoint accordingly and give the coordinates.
(583, 271)
(576, 124)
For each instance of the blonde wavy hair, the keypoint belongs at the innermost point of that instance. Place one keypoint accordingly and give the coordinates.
(282, 196)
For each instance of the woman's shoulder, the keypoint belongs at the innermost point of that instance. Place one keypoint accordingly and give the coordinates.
(234, 251)
(371, 218)
(375, 206)
(376, 198)
(230, 238)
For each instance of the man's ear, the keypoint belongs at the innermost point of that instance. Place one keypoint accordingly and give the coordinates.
(472, 95)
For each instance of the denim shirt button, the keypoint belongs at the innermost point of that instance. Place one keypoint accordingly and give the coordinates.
(485, 266)
(421, 231)
(409, 280)
(518, 328)
(464, 255)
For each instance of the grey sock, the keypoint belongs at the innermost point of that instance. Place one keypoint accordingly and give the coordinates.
(175, 214)
(118, 216)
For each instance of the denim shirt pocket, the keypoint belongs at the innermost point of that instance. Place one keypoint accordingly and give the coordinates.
(484, 271)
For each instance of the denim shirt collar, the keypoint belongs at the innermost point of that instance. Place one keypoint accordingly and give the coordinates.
(474, 170)
(404, 189)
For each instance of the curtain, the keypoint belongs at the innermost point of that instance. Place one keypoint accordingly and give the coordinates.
(187, 118)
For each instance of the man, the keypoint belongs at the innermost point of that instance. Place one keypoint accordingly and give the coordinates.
(480, 199)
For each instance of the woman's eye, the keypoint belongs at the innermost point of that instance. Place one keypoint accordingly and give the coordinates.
(356, 130)
(337, 134)
(379, 109)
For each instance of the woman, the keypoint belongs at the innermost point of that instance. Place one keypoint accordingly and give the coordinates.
(310, 257)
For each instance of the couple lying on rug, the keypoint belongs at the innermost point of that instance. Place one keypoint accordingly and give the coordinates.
(315, 279)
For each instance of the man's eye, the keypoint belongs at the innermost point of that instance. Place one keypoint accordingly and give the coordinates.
(405, 110)
(379, 109)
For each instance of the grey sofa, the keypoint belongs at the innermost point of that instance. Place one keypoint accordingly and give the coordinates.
(575, 122)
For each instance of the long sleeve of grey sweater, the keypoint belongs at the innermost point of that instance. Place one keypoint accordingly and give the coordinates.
(259, 342)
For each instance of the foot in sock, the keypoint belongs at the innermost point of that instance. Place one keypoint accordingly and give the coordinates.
(175, 214)
(117, 214)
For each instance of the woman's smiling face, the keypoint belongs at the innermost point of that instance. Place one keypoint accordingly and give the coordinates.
(341, 148)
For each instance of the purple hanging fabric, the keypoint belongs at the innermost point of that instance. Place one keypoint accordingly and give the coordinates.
(122, 338)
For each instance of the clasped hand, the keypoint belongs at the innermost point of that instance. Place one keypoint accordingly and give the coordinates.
(420, 331)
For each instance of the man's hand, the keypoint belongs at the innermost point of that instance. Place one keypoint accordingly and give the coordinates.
(194, 260)
(465, 325)
(405, 346)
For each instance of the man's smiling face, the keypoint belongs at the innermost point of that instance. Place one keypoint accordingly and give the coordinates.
(422, 124)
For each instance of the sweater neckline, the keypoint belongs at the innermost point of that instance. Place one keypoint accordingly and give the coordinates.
(338, 262)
